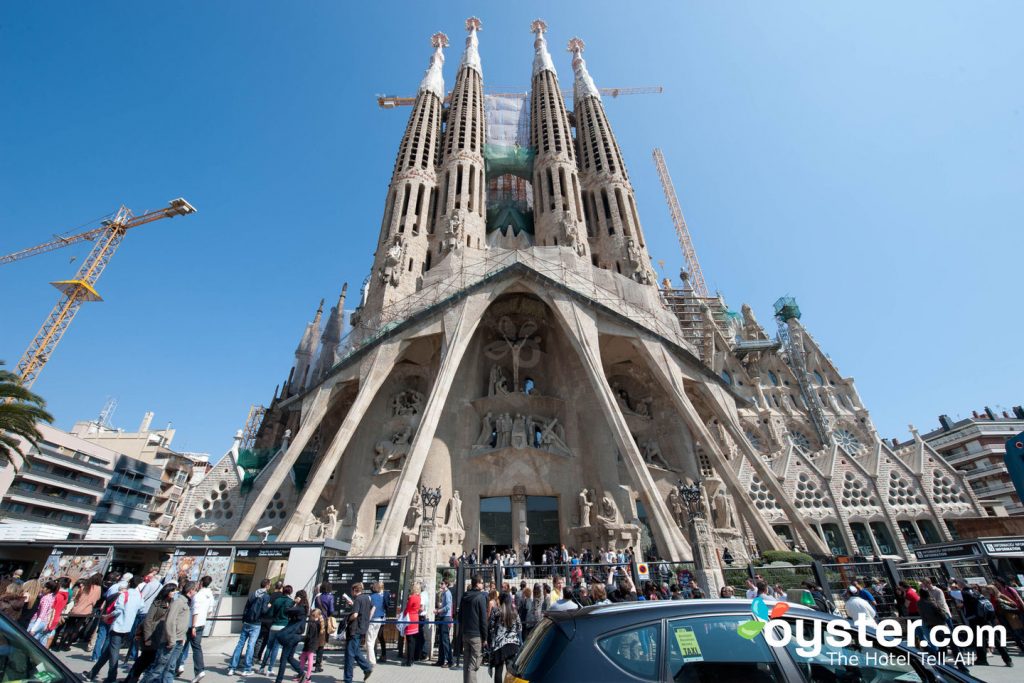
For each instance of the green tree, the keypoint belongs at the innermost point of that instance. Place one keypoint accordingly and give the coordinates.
(20, 412)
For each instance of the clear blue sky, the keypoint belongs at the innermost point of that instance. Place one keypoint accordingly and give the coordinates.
(864, 157)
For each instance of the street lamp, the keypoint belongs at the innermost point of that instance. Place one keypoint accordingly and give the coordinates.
(691, 495)
(431, 499)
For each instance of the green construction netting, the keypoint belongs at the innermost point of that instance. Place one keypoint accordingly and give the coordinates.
(786, 308)
(514, 160)
(303, 466)
(252, 461)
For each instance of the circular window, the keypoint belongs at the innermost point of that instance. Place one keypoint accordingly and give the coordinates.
(800, 439)
(848, 441)
(223, 486)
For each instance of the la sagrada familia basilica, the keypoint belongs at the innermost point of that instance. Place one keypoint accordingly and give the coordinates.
(513, 348)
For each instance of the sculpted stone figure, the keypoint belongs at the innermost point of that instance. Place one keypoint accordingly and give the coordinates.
(652, 454)
(330, 521)
(585, 505)
(721, 510)
(608, 515)
(572, 234)
(519, 432)
(455, 512)
(391, 269)
(453, 233)
(504, 428)
(676, 506)
(486, 431)
(390, 453)
(520, 345)
(408, 402)
(312, 528)
(552, 436)
(498, 382)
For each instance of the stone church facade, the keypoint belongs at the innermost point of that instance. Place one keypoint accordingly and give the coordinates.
(521, 356)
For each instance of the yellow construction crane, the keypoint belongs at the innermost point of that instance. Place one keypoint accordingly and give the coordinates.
(392, 101)
(692, 266)
(82, 287)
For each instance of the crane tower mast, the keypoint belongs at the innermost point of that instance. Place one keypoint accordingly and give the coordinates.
(683, 232)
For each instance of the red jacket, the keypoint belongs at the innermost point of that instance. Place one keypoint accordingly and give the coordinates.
(60, 601)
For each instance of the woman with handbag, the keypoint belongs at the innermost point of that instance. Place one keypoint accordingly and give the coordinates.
(411, 616)
(505, 635)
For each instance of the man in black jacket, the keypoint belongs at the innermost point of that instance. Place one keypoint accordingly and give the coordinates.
(473, 619)
(266, 621)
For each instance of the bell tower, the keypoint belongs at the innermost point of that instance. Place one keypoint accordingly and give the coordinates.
(557, 205)
(402, 250)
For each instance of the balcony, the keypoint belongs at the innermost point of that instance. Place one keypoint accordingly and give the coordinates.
(995, 489)
(43, 519)
(984, 471)
(50, 476)
(133, 484)
(47, 452)
(86, 507)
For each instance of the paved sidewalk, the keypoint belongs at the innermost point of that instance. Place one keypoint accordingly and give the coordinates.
(217, 652)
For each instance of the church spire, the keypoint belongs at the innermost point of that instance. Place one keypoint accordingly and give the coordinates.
(433, 79)
(331, 337)
(306, 350)
(471, 57)
(583, 84)
(609, 205)
(461, 215)
(558, 211)
(541, 56)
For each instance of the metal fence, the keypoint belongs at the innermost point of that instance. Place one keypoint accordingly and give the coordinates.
(873, 575)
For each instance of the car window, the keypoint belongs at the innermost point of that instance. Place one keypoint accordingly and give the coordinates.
(855, 663)
(21, 659)
(710, 650)
(634, 650)
(544, 645)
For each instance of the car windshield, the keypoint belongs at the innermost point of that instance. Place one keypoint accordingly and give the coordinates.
(22, 660)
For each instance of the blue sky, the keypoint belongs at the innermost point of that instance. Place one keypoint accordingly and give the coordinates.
(864, 157)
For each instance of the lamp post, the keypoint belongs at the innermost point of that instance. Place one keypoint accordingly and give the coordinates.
(705, 559)
(431, 498)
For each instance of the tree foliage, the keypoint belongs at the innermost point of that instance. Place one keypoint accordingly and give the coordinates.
(20, 413)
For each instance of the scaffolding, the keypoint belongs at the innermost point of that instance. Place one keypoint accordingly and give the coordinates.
(791, 337)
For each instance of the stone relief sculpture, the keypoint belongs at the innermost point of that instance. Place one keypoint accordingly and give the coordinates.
(519, 345)
(552, 436)
(497, 384)
(504, 428)
(408, 402)
(521, 431)
(415, 514)
(721, 510)
(391, 269)
(608, 514)
(652, 454)
(585, 505)
(572, 234)
(641, 407)
(311, 530)
(390, 453)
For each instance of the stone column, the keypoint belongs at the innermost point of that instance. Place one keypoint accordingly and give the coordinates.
(518, 519)
(460, 323)
(425, 562)
(375, 370)
(581, 328)
(705, 556)
(313, 411)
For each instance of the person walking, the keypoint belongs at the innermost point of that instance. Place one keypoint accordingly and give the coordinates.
(278, 612)
(39, 626)
(473, 621)
(152, 634)
(292, 634)
(252, 614)
(121, 617)
(202, 605)
(267, 621)
(148, 589)
(443, 615)
(87, 596)
(411, 616)
(355, 630)
(505, 633)
(176, 627)
(312, 643)
(380, 615)
(324, 602)
(980, 612)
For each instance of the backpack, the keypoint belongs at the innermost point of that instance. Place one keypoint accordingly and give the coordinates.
(255, 608)
(985, 609)
(109, 617)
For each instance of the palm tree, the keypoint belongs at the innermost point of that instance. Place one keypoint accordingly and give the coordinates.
(20, 411)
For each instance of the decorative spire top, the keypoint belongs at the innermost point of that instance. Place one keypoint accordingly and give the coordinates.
(583, 84)
(471, 57)
(433, 80)
(541, 57)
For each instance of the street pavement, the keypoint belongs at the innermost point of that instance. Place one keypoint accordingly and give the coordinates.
(218, 651)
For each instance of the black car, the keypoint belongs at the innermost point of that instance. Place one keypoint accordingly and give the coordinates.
(23, 659)
(699, 641)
